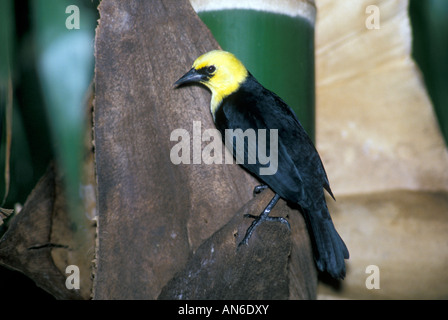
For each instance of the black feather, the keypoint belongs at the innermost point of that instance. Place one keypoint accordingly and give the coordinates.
(300, 178)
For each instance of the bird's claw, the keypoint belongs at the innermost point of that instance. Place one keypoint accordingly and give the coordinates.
(257, 221)
(259, 189)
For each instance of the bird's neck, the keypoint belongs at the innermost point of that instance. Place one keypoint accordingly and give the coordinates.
(215, 103)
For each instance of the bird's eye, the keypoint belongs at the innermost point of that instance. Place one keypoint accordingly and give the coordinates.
(211, 69)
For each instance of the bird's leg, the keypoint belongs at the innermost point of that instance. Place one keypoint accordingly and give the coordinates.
(259, 189)
(264, 216)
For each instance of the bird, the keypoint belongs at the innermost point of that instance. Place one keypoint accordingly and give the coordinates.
(239, 101)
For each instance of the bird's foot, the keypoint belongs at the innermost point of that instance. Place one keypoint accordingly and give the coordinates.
(257, 221)
(259, 189)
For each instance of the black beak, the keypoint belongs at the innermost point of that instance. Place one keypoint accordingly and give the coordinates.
(189, 77)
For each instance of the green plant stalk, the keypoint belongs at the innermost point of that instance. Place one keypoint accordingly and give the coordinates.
(65, 69)
(6, 89)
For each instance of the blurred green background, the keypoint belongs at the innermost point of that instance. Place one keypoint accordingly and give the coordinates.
(47, 56)
(50, 68)
(429, 20)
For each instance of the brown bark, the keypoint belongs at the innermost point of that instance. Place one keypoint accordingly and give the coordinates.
(29, 243)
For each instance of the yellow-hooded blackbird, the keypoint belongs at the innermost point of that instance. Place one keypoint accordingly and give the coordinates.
(239, 101)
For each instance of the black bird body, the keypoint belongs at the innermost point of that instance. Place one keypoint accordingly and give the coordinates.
(300, 177)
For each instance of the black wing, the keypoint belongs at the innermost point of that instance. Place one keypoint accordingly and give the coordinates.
(300, 175)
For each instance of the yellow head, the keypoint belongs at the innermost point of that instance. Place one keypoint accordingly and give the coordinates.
(220, 71)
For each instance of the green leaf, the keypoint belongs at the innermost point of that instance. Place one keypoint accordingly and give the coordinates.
(65, 69)
(430, 50)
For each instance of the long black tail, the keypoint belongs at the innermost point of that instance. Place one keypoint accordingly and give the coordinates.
(329, 249)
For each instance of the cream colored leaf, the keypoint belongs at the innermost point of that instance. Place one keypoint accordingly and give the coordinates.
(376, 127)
